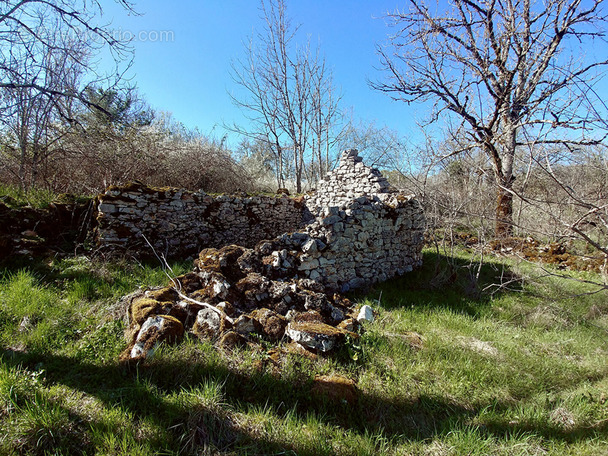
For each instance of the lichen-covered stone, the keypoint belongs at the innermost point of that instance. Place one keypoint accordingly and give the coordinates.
(273, 324)
(335, 388)
(163, 294)
(223, 260)
(311, 316)
(231, 339)
(350, 325)
(246, 324)
(189, 282)
(156, 329)
(317, 336)
(142, 308)
(209, 323)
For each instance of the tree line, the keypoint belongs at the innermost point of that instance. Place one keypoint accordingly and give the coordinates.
(66, 127)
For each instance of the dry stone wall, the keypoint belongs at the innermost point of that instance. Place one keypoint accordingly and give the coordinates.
(368, 232)
(351, 179)
(284, 287)
(181, 223)
(361, 231)
(366, 241)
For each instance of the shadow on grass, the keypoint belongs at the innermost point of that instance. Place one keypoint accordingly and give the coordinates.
(143, 393)
(443, 282)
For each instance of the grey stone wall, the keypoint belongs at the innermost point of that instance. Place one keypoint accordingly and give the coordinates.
(364, 231)
(368, 241)
(181, 223)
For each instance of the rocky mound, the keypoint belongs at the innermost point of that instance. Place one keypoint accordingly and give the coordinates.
(237, 295)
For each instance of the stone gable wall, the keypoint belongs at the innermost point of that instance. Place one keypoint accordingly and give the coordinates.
(368, 241)
(357, 244)
(350, 180)
(361, 231)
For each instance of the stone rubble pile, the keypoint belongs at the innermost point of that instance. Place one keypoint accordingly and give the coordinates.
(237, 295)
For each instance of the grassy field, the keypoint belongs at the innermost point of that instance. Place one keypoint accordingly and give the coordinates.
(447, 368)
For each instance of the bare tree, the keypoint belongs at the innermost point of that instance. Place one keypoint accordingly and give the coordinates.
(46, 71)
(288, 96)
(380, 144)
(568, 196)
(32, 29)
(34, 121)
(509, 72)
(326, 116)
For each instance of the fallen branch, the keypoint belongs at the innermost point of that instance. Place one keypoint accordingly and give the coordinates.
(177, 286)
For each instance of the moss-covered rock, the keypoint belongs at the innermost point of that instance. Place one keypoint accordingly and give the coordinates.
(156, 329)
(316, 336)
(209, 323)
(273, 324)
(164, 294)
(142, 308)
(231, 339)
(190, 282)
(246, 325)
(335, 388)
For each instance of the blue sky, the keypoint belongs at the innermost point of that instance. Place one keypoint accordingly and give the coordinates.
(189, 75)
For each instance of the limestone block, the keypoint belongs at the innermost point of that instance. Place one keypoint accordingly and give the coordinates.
(209, 323)
(365, 315)
(155, 330)
(318, 336)
(106, 207)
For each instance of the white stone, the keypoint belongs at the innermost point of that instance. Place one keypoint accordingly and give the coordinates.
(310, 246)
(209, 318)
(366, 314)
(152, 322)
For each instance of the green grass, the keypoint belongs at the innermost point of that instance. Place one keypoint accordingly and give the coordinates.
(445, 369)
(35, 197)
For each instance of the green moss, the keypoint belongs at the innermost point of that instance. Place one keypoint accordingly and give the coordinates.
(164, 294)
(142, 308)
(318, 328)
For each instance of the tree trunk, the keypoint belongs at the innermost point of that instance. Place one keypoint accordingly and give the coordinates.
(299, 166)
(505, 179)
(504, 211)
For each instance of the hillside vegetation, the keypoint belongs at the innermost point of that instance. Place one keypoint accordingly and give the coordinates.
(509, 364)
